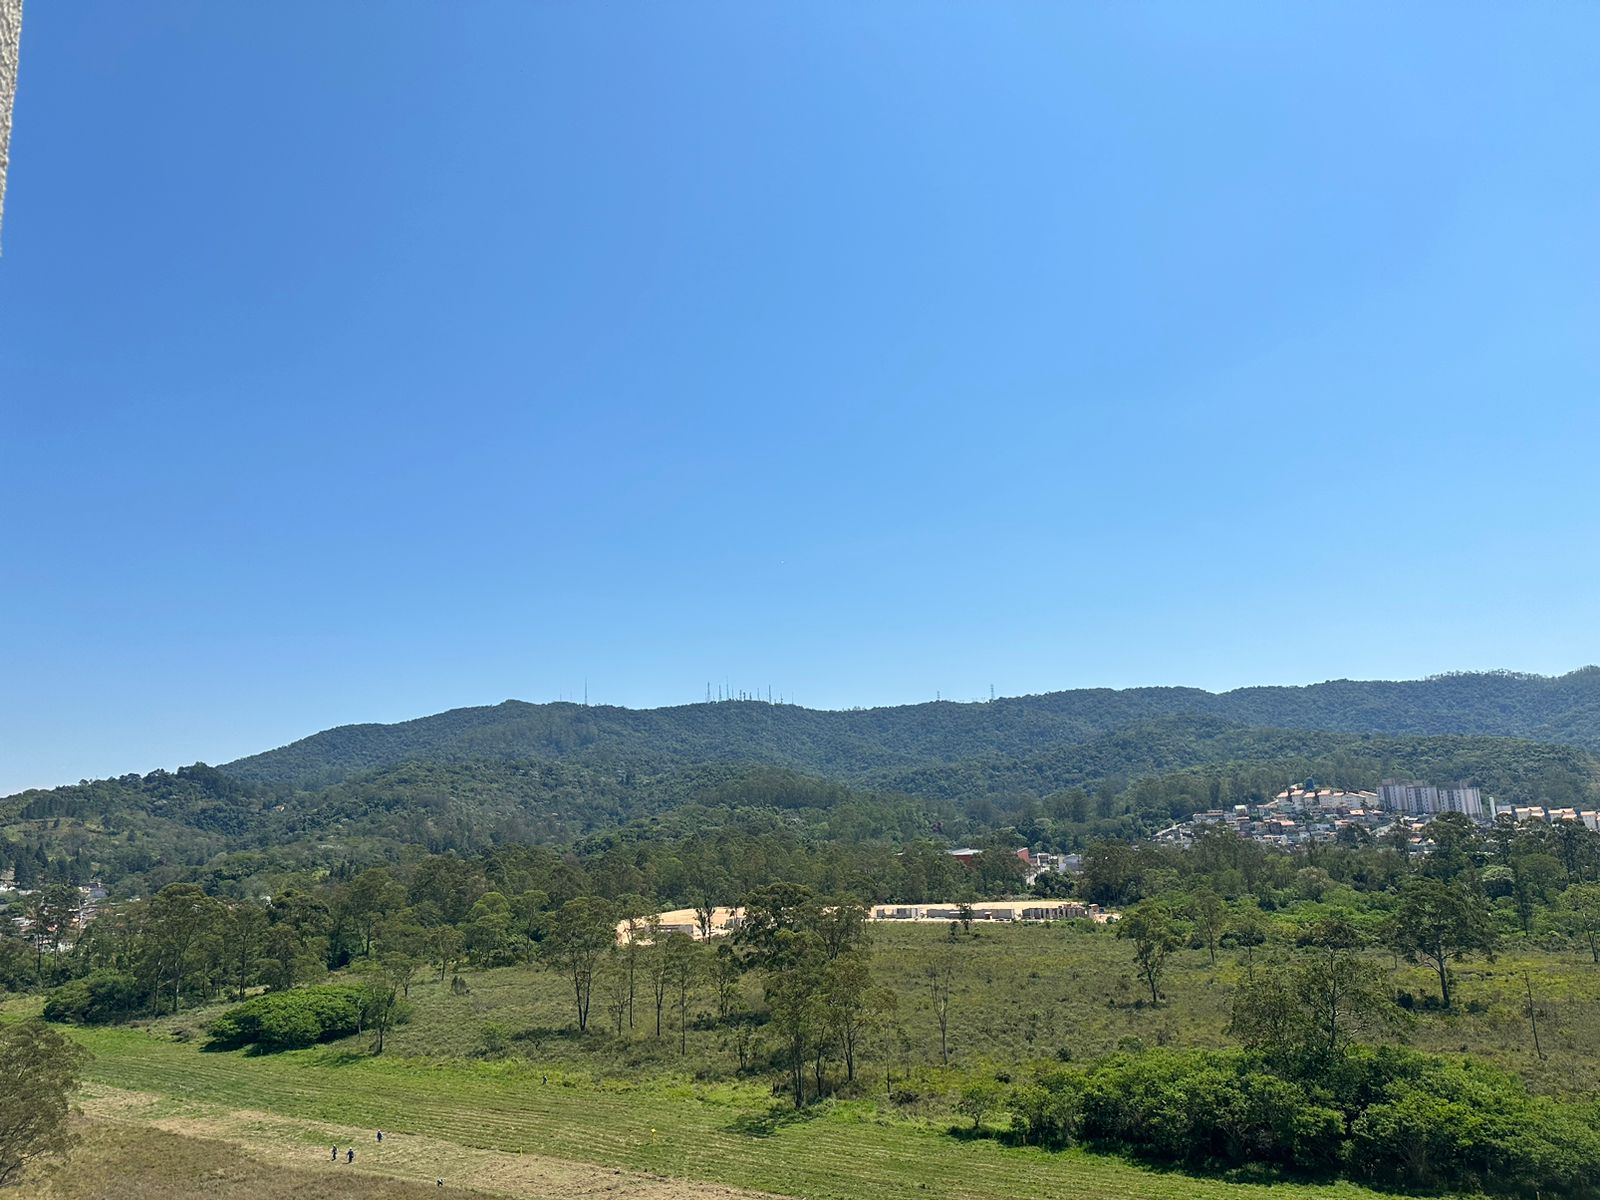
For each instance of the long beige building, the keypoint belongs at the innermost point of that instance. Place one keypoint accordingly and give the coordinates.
(726, 920)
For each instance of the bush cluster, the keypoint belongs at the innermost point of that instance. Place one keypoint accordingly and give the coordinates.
(1208, 1109)
(99, 998)
(288, 1020)
(1391, 1117)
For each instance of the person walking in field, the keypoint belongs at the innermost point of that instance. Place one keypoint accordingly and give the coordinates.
(380, 1137)
(335, 1155)
(350, 1155)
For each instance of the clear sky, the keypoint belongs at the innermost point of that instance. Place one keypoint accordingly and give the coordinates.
(363, 360)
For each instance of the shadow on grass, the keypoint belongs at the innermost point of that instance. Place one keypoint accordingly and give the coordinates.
(535, 1039)
(546, 1033)
(770, 1120)
(247, 1049)
(1255, 1174)
(343, 1058)
(966, 1133)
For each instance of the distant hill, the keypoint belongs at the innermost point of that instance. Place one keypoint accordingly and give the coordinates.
(865, 744)
(1056, 769)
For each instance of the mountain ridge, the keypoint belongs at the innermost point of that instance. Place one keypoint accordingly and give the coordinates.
(1056, 769)
(1562, 709)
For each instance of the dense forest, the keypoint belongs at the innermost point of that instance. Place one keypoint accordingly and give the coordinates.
(863, 744)
(1054, 772)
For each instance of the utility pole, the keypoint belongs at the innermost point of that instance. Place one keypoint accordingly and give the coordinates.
(1533, 1019)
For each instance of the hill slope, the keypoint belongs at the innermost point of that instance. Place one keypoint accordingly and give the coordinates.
(1058, 769)
(863, 743)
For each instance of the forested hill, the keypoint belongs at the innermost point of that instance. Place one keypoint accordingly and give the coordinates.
(1057, 771)
(878, 742)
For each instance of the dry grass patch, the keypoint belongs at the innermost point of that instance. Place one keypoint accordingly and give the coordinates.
(129, 1162)
(258, 1143)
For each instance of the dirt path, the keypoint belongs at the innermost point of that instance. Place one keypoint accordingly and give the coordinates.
(290, 1142)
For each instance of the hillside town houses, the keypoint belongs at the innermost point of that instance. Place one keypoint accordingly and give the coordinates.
(1298, 815)
(63, 924)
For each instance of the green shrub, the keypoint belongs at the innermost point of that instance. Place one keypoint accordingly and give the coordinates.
(1209, 1109)
(99, 998)
(288, 1027)
(288, 1020)
(978, 1098)
(1046, 1113)
(1434, 1123)
(1392, 1117)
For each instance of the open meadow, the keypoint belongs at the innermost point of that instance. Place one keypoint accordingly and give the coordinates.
(491, 1088)
(438, 1118)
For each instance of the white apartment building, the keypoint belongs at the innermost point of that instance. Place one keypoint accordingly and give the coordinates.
(1416, 798)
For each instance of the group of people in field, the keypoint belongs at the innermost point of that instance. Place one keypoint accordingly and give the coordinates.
(350, 1156)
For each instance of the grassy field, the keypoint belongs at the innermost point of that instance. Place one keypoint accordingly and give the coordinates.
(493, 1091)
(167, 1147)
(727, 1134)
(1025, 993)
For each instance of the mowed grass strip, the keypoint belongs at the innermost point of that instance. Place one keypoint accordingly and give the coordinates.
(729, 1135)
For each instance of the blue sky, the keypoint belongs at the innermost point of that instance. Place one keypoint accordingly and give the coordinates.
(360, 361)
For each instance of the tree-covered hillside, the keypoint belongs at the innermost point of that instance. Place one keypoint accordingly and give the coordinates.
(1053, 770)
(137, 833)
(872, 743)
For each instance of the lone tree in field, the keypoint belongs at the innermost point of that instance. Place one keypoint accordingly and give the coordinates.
(1247, 928)
(940, 972)
(615, 987)
(684, 964)
(725, 970)
(583, 930)
(1210, 917)
(1580, 915)
(40, 1070)
(1309, 1007)
(797, 1015)
(632, 911)
(1438, 922)
(383, 982)
(847, 992)
(1154, 936)
(979, 1098)
(658, 968)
